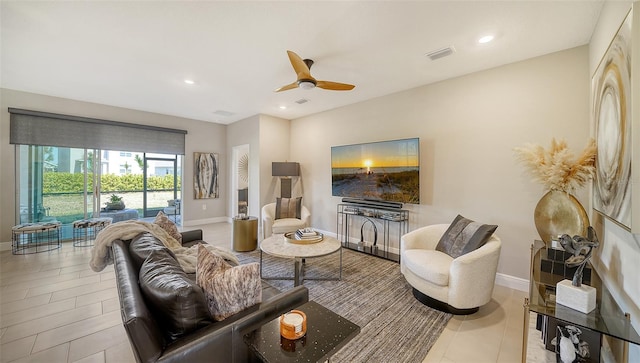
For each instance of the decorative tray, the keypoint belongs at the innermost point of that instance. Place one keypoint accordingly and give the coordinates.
(292, 237)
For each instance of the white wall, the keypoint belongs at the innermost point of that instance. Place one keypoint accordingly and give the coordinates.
(468, 128)
(616, 260)
(274, 146)
(201, 137)
(246, 132)
(268, 139)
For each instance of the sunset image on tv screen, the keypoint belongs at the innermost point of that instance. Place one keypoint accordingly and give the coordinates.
(386, 170)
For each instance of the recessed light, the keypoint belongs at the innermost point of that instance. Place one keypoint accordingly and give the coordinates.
(485, 39)
(283, 107)
(189, 81)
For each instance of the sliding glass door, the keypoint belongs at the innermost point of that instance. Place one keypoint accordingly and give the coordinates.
(161, 183)
(69, 166)
(66, 184)
(55, 184)
(146, 182)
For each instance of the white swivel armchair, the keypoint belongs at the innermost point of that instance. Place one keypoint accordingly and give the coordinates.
(456, 285)
(271, 225)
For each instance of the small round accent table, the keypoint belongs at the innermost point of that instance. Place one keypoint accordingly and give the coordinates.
(277, 246)
(85, 230)
(28, 238)
(245, 234)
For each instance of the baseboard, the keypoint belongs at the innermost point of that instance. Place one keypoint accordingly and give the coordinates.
(197, 222)
(512, 282)
(5, 246)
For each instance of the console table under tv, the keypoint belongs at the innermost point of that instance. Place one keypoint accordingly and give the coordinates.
(359, 214)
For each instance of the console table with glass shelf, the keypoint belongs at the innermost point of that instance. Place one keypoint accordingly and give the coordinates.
(607, 319)
(386, 217)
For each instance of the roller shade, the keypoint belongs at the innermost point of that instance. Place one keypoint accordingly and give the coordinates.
(50, 129)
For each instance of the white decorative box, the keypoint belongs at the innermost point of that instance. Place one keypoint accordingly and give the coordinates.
(581, 298)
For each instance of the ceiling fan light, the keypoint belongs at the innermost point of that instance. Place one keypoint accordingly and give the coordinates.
(306, 85)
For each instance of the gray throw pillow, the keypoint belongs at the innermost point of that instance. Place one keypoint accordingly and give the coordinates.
(289, 208)
(464, 236)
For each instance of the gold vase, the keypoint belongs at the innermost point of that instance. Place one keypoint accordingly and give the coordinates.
(559, 213)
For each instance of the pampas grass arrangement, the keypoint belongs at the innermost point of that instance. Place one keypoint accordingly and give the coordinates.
(557, 168)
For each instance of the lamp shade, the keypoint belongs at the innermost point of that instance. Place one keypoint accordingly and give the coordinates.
(285, 169)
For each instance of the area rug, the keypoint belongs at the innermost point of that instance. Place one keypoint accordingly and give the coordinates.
(394, 326)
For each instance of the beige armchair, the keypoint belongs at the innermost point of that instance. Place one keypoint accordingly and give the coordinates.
(456, 285)
(271, 225)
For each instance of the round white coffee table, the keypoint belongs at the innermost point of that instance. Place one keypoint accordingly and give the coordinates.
(277, 246)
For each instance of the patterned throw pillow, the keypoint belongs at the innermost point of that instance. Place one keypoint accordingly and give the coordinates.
(167, 224)
(464, 236)
(227, 290)
(289, 208)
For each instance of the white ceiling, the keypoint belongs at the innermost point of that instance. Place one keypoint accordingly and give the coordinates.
(137, 54)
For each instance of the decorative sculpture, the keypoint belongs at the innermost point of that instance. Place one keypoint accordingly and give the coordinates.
(581, 248)
(361, 244)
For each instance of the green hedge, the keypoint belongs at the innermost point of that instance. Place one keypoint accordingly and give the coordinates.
(74, 182)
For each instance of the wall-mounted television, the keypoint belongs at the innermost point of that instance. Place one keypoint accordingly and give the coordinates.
(384, 170)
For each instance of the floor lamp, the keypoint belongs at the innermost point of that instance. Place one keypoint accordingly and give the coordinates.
(285, 170)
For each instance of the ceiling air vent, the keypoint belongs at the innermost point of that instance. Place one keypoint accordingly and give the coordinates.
(440, 53)
(223, 113)
(302, 100)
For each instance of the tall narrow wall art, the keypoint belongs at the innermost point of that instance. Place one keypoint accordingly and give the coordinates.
(611, 100)
(205, 175)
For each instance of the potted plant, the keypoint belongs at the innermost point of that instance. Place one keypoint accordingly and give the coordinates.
(115, 203)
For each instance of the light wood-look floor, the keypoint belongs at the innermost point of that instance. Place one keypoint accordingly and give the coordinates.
(54, 308)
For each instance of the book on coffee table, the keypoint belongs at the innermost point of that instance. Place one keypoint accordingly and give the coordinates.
(306, 233)
(297, 238)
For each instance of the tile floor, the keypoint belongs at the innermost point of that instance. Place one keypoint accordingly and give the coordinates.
(54, 308)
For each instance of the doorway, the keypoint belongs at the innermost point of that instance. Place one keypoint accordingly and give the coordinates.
(240, 180)
(160, 184)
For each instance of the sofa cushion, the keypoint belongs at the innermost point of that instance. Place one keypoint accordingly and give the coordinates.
(430, 265)
(464, 236)
(288, 208)
(177, 300)
(228, 290)
(167, 224)
(142, 245)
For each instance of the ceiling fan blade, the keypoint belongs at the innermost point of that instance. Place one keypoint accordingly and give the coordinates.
(287, 87)
(299, 65)
(334, 86)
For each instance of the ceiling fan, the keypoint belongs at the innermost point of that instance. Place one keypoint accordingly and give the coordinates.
(306, 81)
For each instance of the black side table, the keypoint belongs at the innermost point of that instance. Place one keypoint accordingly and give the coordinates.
(327, 332)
